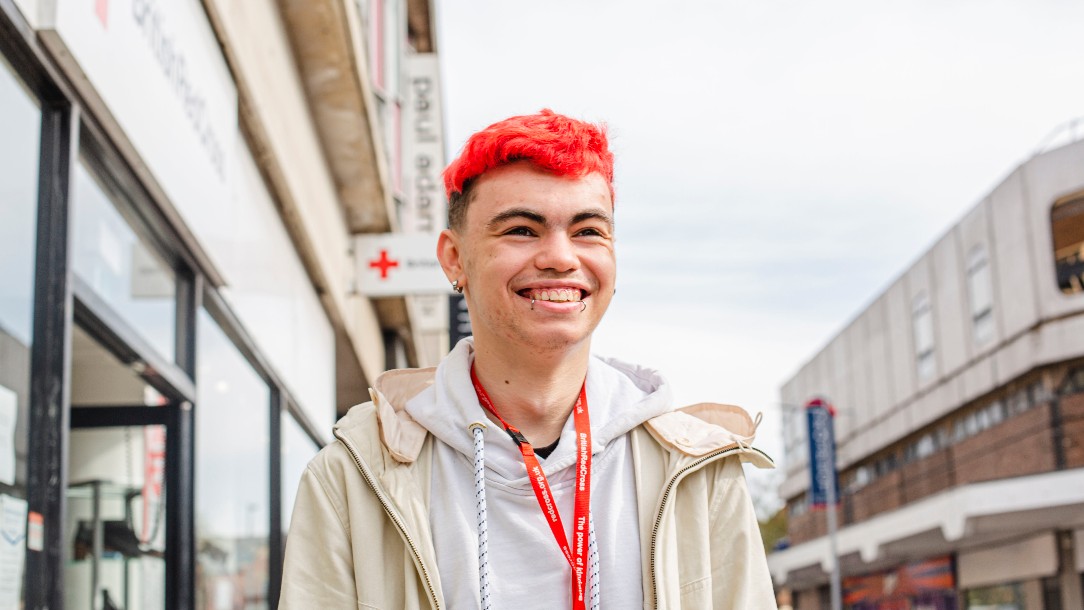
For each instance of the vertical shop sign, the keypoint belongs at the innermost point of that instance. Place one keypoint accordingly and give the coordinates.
(424, 209)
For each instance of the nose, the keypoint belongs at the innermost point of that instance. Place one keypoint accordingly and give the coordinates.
(557, 253)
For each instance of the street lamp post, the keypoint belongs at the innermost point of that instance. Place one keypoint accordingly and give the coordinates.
(823, 490)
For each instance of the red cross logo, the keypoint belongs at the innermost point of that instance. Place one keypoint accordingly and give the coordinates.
(383, 264)
(101, 8)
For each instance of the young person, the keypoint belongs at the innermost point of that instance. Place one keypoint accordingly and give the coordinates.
(524, 472)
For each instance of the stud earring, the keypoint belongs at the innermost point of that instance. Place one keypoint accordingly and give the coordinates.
(456, 287)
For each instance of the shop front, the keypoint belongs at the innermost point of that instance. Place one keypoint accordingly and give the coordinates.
(166, 368)
(922, 585)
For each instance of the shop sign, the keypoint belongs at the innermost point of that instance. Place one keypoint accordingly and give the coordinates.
(157, 69)
(424, 209)
(399, 264)
(912, 581)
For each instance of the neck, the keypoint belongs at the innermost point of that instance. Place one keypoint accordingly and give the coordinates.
(533, 392)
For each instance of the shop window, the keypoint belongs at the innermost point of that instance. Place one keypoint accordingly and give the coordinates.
(1067, 229)
(922, 322)
(120, 266)
(233, 517)
(981, 295)
(298, 449)
(20, 126)
(999, 597)
(1018, 402)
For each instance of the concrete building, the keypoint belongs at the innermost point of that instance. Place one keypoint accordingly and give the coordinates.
(960, 426)
(183, 312)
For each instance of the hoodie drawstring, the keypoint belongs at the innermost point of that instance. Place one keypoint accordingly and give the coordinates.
(593, 578)
(477, 429)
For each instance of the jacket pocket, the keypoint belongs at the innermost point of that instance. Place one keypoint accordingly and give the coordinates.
(696, 594)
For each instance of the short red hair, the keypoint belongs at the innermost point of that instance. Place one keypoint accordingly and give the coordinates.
(553, 142)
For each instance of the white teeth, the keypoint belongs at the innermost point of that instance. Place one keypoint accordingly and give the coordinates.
(556, 295)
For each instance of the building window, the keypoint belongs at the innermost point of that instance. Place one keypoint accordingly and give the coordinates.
(233, 517)
(122, 267)
(1067, 228)
(981, 295)
(20, 124)
(298, 449)
(922, 320)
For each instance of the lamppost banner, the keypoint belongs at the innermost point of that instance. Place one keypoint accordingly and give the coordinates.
(822, 453)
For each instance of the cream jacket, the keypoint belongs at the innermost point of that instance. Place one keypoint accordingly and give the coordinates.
(360, 535)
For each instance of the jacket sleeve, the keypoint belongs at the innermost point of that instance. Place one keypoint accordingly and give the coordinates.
(739, 565)
(318, 570)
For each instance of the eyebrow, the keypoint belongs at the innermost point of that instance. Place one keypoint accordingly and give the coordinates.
(535, 217)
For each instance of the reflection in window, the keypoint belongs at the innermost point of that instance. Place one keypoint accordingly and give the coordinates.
(922, 320)
(232, 475)
(297, 450)
(121, 268)
(1067, 227)
(20, 126)
(981, 295)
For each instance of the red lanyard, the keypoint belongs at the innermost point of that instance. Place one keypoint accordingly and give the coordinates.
(578, 558)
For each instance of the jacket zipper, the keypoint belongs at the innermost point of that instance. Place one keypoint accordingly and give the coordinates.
(662, 508)
(394, 518)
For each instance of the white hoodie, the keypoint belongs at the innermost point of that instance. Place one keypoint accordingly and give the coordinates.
(527, 569)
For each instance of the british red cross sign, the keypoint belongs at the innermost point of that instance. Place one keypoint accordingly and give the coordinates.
(398, 264)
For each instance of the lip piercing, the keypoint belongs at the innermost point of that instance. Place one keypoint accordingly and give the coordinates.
(532, 304)
(583, 306)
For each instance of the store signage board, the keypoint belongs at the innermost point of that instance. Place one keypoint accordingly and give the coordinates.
(399, 264)
(157, 69)
(425, 209)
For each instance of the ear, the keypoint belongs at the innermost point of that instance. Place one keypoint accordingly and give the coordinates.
(449, 254)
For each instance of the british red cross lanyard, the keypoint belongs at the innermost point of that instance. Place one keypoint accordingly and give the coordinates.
(577, 558)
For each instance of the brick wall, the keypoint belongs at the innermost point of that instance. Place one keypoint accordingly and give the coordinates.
(1018, 446)
(929, 475)
(883, 494)
(812, 524)
(1072, 416)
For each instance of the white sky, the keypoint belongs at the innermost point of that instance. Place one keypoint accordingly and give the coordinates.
(779, 162)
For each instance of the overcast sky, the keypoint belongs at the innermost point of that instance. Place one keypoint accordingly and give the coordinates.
(779, 162)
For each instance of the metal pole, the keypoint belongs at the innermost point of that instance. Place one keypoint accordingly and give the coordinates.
(837, 594)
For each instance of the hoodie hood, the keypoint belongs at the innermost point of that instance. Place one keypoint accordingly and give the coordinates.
(620, 397)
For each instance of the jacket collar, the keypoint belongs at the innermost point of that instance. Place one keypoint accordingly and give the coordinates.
(692, 431)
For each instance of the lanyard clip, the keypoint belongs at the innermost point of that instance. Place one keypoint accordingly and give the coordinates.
(517, 436)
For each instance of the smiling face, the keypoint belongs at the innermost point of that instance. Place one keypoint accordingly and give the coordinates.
(531, 236)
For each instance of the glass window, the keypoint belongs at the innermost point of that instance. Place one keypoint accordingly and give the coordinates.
(20, 124)
(232, 475)
(999, 597)
(922, 319)
(981, 295)
(124, 270)
(1067, 228)
(297, 450)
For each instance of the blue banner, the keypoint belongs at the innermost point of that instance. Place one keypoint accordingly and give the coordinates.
(822, 452)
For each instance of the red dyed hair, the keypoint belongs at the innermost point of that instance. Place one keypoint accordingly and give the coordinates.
(553, 142)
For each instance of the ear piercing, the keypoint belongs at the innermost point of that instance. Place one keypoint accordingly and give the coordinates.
(456, 287)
